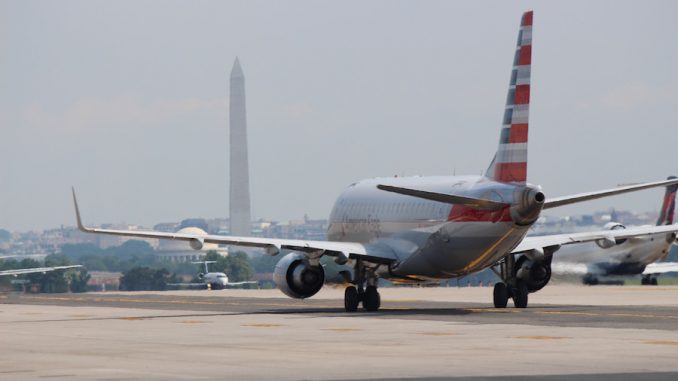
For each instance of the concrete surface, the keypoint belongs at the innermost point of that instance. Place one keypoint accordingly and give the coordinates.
(420, 334)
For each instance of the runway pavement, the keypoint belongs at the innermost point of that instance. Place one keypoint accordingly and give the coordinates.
(569, 332)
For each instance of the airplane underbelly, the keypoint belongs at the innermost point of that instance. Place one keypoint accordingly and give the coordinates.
(458, 249)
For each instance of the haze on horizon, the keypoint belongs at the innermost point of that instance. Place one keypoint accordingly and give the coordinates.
(127, 101)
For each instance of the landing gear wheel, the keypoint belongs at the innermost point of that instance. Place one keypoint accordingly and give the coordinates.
(653, 281)
(519, 294)
(501, 296)
(351, 299)
(371, 299)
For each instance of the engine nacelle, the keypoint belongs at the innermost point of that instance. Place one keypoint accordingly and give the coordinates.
(535, 274)
(606, 243)
(614, 226)
(529, 205)
(297, 278)
(196, 243)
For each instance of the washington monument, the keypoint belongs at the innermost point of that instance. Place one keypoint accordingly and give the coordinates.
(240, 179)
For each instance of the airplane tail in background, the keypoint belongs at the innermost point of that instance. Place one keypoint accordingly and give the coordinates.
(669, 205)
(510, 161)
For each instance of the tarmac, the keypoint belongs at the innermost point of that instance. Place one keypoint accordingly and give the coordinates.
(567, 332)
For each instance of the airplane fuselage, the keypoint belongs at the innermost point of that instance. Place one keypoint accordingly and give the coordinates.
(215, 279)
(433, 239)
(627, 258)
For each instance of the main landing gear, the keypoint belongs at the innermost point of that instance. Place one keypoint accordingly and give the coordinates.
(511, 287)
(649, 280)
(520, 277)
(363, 290)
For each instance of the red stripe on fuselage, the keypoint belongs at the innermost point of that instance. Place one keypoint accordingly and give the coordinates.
(461, 213)
(518, 133)
(507, 172)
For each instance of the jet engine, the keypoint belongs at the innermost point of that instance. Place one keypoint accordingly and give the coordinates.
(529, 205)
(536, 274)
(614, 226)
(297, 278)
(606, 243)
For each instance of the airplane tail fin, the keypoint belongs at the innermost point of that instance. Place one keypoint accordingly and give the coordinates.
(510, 161)
(669, 205)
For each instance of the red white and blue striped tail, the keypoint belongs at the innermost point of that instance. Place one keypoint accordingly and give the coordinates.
(510, 161)
(668, 209)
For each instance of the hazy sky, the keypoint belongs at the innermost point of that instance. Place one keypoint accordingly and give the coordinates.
(127, 100)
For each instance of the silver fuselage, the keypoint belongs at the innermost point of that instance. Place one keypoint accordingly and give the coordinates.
(219, 279)
(431, 239)
(627, 258)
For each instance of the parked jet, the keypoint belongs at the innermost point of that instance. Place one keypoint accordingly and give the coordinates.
(421, 229)
(632, 256)
(213, 280)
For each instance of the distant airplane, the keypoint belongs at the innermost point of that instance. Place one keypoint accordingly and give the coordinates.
(213, 280)
(422, 229)
(34, 270)
(632, 256)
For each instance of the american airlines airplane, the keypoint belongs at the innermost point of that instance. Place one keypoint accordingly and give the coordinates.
(632, 256)
(422, 229)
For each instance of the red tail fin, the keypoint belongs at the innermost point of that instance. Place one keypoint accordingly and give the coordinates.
(510, 161)
(669, 205)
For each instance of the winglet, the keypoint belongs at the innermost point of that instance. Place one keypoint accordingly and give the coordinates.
(77, 212)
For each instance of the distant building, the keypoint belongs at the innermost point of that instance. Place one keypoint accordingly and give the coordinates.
(181, 251)
(105, 241)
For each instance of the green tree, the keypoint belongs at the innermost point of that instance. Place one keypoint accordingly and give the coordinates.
(264, 263)
(57, 260)
(144, 279)
(5, 235)
(78, 280)
(238, 268)
(54, 282)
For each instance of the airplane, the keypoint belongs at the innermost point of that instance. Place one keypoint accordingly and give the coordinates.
(423, 229)
(34, 270)
(632, 256)
(212, 280)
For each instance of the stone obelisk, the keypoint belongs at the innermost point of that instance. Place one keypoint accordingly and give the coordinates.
(240, 179)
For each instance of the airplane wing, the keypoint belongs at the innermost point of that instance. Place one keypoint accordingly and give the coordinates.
(36, 270)
(566, 200)
(557, 240)
(342, 251)
(661, 267)
(231, 284)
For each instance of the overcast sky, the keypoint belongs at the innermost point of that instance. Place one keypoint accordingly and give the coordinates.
(127, 101)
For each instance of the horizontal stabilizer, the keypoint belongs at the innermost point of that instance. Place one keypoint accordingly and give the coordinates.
(475, 203)
(567, 200)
